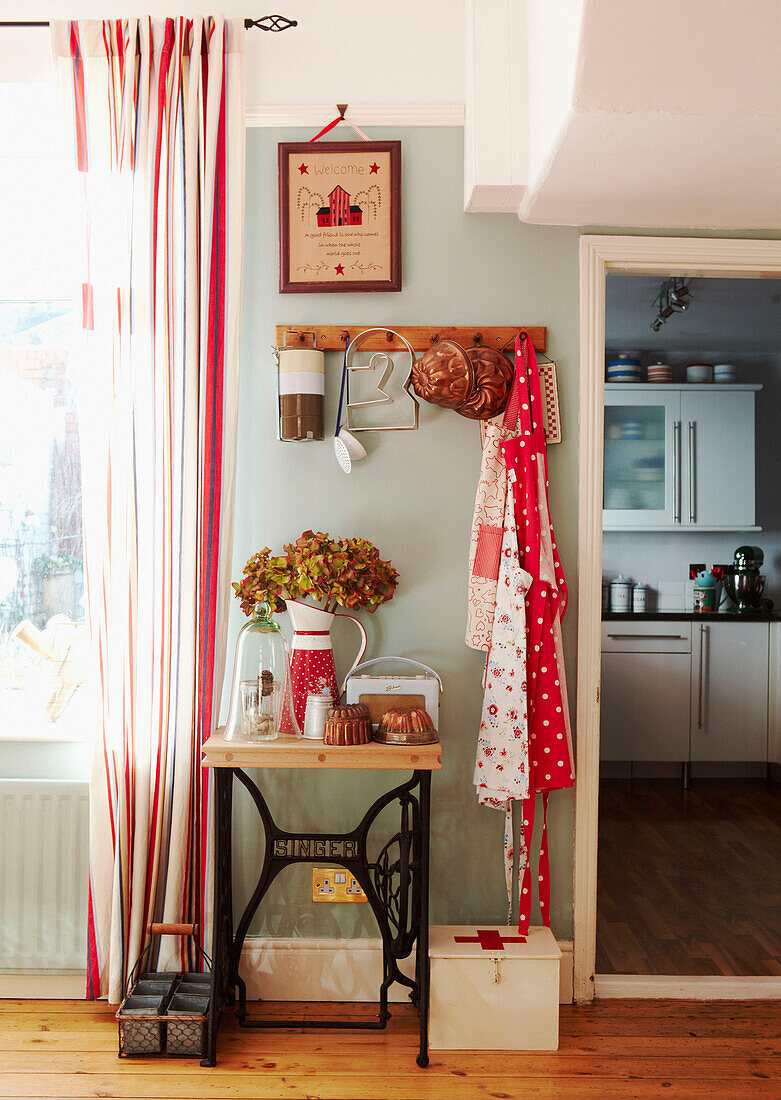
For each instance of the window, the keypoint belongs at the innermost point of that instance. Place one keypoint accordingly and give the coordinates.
(43, 634)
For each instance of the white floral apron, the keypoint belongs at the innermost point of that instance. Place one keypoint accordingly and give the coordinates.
(502, 765)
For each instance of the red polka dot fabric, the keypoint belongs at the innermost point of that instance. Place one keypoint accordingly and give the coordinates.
(311, 672)
(550, 743)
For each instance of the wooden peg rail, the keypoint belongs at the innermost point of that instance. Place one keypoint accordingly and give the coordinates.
(334, 337)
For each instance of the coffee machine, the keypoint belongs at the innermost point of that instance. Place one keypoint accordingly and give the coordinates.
(744, 582)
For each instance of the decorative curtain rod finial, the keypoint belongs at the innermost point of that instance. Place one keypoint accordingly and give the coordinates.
(271, 23)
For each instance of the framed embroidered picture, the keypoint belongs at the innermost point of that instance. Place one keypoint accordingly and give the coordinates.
(339, 216)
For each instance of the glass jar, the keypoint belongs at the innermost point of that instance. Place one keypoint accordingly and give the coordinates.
(261, 705)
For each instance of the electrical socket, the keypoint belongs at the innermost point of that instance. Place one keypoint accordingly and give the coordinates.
(335, 884)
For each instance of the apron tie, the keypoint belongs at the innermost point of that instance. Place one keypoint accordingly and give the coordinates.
(524, 867)
(508, 857)
(544, 864)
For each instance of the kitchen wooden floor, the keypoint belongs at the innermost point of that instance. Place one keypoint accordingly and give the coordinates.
(689, 882)
(629, 1049)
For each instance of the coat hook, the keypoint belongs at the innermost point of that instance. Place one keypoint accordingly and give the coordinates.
(344, 336)
(477, 338)
(341, 108)
(389, 337)
(435, 338)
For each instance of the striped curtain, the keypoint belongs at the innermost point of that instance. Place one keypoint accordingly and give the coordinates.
(156, 109)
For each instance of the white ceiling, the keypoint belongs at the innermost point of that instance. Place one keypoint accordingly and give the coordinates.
(728, 319)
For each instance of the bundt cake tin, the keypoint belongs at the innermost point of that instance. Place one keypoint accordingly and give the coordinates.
(348, 725)
(406, 726)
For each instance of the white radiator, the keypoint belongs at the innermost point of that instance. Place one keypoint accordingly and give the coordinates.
(44, 829)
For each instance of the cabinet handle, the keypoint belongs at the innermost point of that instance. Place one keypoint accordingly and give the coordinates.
(664, 637)
(701, 686)
(677, 471)
(692, 475)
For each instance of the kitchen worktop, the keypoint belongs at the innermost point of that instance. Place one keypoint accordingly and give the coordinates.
(691, 616)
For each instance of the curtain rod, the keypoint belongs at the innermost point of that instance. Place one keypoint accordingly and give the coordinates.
(265, 23)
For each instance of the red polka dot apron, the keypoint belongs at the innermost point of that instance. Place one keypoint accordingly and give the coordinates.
(550, 740)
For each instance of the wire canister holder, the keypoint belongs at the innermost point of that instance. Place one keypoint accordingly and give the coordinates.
(165, 1013)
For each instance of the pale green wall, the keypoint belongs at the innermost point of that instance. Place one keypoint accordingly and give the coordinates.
(413, 496)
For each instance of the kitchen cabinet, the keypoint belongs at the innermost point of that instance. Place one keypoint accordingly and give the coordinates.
(729, 694)
(718, 458)
(678, 690)
(679, 457)
(646, 685)
(642, 457)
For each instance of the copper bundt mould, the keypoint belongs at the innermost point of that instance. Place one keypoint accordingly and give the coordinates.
(348, 725)
(474, 382)
(406, 726)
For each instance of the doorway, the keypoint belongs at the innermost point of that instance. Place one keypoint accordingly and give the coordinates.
(601, 257)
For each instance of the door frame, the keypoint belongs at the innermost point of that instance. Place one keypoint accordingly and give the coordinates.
(600, 255)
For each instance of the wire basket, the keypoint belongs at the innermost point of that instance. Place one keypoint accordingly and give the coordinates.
(165, 1013)
(186, 1038)
(140, 1035)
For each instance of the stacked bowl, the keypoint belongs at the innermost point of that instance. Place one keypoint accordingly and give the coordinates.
(724, 372)
(623, 369)
(632, 429)
(659, 372)
(699, 372)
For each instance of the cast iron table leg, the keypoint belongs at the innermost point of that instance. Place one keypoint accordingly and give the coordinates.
(222, 919)
(422, 944)
(227, 947)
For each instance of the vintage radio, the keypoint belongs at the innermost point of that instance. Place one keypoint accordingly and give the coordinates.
(380, 693)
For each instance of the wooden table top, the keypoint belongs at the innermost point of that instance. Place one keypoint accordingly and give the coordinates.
(296, 752)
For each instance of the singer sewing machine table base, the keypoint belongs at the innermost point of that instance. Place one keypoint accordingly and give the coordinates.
(396, 881)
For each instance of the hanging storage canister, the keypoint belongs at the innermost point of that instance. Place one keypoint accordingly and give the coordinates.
(301, 374)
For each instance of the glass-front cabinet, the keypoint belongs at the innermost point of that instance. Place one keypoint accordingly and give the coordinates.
(679, 457)
(642, 448)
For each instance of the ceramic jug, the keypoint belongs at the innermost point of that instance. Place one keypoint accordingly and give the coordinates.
(312, 668)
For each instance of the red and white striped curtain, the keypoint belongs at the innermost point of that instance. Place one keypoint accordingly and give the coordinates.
(156, 109)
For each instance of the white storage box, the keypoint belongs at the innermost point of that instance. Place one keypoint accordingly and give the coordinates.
(490, 992)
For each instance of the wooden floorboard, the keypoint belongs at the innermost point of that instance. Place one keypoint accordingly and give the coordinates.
(629, 1049)
(689, 882)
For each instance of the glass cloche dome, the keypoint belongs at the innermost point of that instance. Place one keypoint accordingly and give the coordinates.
(261, 703)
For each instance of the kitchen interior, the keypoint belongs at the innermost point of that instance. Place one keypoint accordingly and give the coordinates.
(689, 864)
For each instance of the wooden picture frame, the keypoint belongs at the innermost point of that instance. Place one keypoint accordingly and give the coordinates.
(339, 217)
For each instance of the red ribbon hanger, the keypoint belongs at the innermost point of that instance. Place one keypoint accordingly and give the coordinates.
(341, 108)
